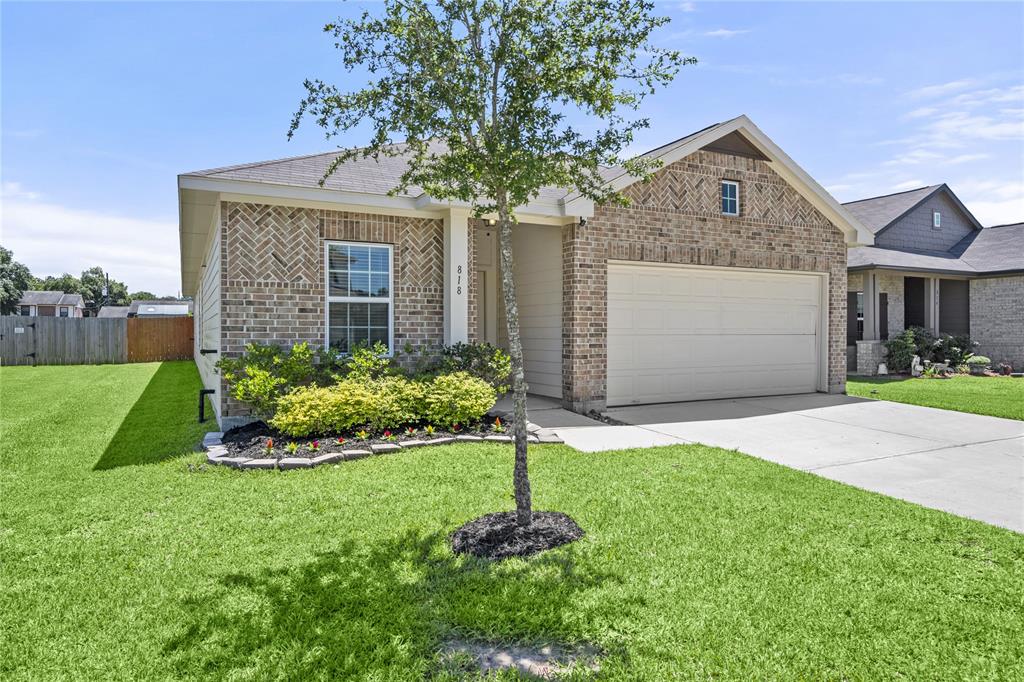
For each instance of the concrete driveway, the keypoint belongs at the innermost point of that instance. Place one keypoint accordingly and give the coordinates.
(965, 464)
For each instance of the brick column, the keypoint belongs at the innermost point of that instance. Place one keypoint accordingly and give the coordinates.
(584, 321)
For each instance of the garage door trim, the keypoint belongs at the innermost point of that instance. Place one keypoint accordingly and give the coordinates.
(823, 336)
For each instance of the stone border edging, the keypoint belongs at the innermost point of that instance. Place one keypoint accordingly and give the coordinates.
(217, 452)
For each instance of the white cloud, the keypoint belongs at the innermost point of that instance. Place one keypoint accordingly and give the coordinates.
(686, 6)
(52, 239)
(726, 32)
(14, 190)
(930, 91)
(922, 112)
(907, 184)
(993, 202)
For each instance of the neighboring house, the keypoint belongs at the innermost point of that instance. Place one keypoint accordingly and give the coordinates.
(113, 311)
(164, 308)
(933, 265)
(725, 277)
(160, 308)
(50, 304)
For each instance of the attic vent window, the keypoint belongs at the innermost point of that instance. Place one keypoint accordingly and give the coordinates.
(730, 197)
(936, 220)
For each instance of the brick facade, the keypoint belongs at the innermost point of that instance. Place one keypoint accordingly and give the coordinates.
(676, 218)
(272, 275)
(997, 319)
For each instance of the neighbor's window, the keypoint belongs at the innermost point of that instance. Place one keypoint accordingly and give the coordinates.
(860, 314)
(730, 197)
(936, 220)
(63, 311)
(26, 310)
(359, 294)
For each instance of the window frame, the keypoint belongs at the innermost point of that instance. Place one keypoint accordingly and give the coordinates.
(329, 299)
(721, 197)
(936, 220)
(64, 311)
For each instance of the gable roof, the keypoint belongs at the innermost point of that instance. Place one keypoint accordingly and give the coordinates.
(880, 213)
(172, 307)
(990, 251)
(362, 184)
(51, 298)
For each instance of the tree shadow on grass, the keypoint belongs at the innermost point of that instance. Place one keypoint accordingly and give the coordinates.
(380, 612)
(163, 422)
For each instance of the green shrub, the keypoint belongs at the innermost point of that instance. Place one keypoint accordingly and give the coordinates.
(925, 343)
(368, 362)
(397, 401)
(480, 360)
(317, 410)
(900, 351)
(979, 360)
(458, 398)
(956, 350)
(263, 373)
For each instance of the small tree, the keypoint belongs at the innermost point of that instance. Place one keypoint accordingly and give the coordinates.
(15, 279)
(480, 91)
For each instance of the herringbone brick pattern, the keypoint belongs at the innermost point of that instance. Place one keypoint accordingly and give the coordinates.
(272, 244)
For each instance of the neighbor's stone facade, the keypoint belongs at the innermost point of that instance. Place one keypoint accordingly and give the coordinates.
(676, 218)
(997, 319)
(272, 275)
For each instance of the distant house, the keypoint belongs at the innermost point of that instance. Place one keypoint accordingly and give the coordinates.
(934, 265)
(50, 304)
(160, 309)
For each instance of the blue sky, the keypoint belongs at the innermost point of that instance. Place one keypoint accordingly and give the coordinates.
(103, 104)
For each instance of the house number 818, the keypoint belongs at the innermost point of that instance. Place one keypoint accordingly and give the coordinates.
(458, 281)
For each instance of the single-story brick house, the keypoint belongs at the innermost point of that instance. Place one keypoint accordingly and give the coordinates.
(50, 304)
(725, 277)
(933, 265)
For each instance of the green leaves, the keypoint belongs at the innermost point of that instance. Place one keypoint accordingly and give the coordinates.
(480, 90)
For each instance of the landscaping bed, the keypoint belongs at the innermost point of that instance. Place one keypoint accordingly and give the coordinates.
(258, 446)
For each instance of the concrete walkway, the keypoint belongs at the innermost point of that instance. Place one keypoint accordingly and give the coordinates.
(967, 464)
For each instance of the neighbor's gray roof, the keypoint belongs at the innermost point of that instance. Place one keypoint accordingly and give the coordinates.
(373, 176)
(113, 311)
(877, 213)
(163, 306)
(50, 298)
(987, 251)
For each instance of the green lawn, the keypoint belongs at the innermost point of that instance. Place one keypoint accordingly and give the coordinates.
(996, 396)
(122, 562)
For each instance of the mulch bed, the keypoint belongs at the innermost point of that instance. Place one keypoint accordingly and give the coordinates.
(251, 441)
(498, 536)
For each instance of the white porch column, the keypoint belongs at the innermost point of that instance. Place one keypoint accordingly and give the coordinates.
(931, 304)
(456, 276)
(870, 306)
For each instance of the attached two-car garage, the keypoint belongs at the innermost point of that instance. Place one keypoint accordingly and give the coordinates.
(680, 332)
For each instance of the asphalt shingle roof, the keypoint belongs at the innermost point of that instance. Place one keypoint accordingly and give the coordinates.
(113, 311)
(50, 298)
(986, 251)
(878, 213)
(369, 175)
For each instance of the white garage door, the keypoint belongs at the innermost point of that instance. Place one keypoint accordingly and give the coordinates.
(688, 333)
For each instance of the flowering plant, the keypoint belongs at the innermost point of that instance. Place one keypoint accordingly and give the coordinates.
(314, 446)
(340, 440)
(292, 448)
(428, 429)
(498, 426)
(409, 430)
(389, 436)
(361, 434)
(456, 428)
(269, 447)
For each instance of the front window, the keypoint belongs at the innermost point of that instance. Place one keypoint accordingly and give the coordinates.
(359, 294)
(63, 311)
(730, 197)
(936, 220)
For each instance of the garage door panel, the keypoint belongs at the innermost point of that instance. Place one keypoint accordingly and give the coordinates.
(678, 333)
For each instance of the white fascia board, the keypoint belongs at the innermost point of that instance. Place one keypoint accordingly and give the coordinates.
(303, 196)
(527, 213)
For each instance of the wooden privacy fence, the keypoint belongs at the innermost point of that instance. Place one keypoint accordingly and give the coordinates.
(92, 340)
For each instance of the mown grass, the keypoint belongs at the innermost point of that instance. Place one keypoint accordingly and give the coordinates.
(121, 562)
(995, 396)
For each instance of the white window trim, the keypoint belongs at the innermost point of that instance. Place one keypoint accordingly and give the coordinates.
(64, 311)
(390, 299)
(735, 184)
(936, 220)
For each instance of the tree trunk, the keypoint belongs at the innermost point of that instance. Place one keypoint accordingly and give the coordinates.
(520, 475)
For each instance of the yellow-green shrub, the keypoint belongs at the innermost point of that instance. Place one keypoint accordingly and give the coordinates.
(397, 401)
(457, 398)
(315, 410)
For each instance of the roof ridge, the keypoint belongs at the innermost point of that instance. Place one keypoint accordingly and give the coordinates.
(893, 194)
(992, 227)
